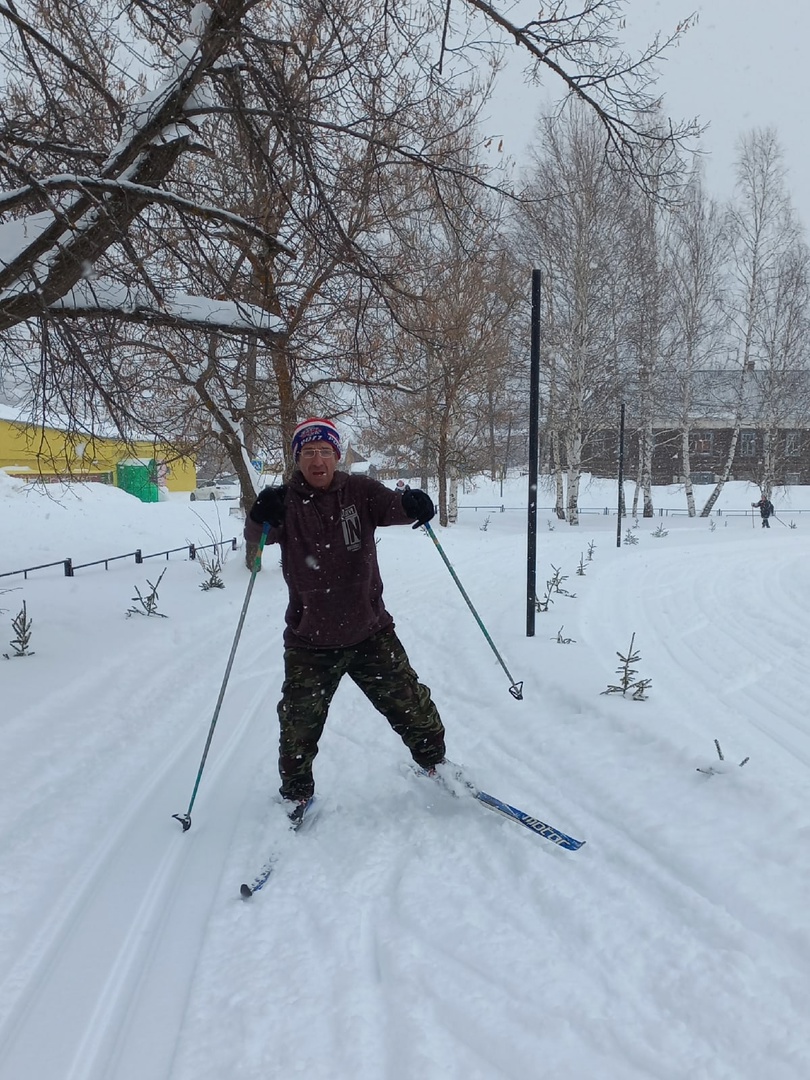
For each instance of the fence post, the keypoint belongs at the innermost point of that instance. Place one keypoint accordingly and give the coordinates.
(192, 552)
(68, 564)
(233, 543)
(138, 556)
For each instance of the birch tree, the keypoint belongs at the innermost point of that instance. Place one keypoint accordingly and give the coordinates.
(782, 382)
(696, 255)
(763, 230)
(569, 229)
(649, 308)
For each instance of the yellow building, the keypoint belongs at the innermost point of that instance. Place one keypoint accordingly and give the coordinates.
(32, 451)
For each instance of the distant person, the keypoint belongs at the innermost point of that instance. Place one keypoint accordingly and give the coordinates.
(324, 521)
(765, 510)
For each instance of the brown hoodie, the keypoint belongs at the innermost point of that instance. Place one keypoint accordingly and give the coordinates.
(329, 559)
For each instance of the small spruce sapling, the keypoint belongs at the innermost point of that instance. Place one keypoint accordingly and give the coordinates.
(581, 567)
(630, 537)
(591, 549)
(660, 531)
(557, 580)
(563, 640)
(554, 587)
(149, 602)
(542, 603)
(485, 525)
(21, 625)
(628, 681)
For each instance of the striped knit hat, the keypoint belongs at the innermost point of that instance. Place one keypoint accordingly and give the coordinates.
(315, 430)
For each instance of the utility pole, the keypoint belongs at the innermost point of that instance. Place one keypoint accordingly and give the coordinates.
(534, 423)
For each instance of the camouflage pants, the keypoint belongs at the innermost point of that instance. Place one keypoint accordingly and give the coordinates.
(380, 667)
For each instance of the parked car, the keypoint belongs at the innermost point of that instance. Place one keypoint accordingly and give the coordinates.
(221, 487)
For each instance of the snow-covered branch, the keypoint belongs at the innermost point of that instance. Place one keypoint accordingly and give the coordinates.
(208, 212)
(56, 258)
(103, 300)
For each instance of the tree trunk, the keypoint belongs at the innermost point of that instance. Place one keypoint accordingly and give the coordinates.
(648, 446)
(452, 499)
(287, 406)
(442, 470)
(732, 450)
(574, 455)
(559, 502)
(686, 465)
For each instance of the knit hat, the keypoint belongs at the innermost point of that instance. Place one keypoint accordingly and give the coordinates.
(315, 430)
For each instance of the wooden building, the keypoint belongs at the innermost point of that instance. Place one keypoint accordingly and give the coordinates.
(719, 404)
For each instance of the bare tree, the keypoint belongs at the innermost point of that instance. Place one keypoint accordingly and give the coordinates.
(764, 237)
(696, 256)
(649, 309)
(115, 123)
(454, 337)
(569, 227)
(784, 349)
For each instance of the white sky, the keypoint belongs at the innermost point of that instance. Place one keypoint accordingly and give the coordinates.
(743, 65)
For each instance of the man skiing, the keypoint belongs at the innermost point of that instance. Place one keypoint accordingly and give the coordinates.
(324, 521)
(765, 510)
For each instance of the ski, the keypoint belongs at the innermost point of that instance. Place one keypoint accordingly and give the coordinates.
(548, 832)
(457, 780)
(297, 818)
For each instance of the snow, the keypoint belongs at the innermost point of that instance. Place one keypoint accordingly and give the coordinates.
(228, 314)
(408, 934)
(16, 234)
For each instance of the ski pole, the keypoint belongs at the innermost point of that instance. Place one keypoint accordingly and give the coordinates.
(185, 819)
(516, 689)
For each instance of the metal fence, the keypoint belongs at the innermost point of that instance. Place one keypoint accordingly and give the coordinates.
(70, 567)
(608, 511)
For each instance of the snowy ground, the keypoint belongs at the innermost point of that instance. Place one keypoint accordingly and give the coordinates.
(407, 935)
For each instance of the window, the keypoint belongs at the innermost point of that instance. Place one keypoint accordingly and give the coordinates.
(793, 443)
(748, 444)
(701, 442)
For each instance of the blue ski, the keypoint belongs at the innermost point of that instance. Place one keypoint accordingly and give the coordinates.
(548, 832)
(297, 819)
(556, 836)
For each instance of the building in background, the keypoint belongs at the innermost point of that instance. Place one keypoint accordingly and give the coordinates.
(49, 454)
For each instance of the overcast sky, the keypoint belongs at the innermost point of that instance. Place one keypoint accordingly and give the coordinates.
(745, 64)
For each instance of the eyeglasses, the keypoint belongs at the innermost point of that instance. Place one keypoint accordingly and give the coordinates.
(311, 452)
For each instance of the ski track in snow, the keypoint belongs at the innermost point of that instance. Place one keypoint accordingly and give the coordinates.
(129, 917)
(406, 933)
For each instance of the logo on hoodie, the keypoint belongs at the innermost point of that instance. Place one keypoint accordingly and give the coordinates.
(350, 520)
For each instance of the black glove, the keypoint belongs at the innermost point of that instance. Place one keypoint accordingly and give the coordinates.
(269, 507)
(418, 504)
